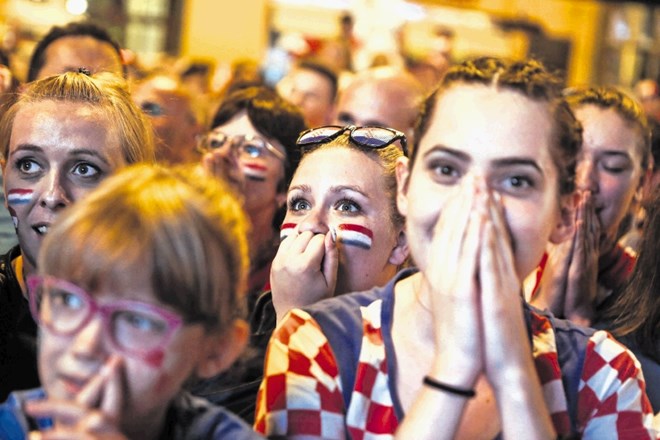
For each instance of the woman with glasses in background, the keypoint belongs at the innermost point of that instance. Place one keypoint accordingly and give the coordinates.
(252, 144)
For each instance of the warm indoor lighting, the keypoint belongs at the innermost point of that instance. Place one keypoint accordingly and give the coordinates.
(76, 7)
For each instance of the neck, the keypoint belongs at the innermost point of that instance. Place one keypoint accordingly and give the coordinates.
(413, 310)
(148, 427)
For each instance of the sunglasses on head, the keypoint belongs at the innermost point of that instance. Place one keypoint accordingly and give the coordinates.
(366, 137)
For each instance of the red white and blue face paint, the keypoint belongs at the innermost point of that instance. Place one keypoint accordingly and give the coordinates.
(354, 235)
(255, 171)
(287, 229)
(19, 196)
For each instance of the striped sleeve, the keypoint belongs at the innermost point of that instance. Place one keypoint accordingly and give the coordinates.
(300, 394)
(612, 402)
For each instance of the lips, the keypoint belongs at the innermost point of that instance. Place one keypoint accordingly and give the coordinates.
(41, 228)
(72, 385)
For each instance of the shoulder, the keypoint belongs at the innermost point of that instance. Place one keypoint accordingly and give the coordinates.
(345, 313)
(14, 423)
(198, 418)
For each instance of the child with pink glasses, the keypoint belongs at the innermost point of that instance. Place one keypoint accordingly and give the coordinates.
(137, 292)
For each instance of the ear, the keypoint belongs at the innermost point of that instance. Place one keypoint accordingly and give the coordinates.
(400, 251)
(220, 350)
(402, 182)
(565, 226)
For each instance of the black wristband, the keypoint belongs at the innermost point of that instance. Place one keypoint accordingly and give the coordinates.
(448, 388)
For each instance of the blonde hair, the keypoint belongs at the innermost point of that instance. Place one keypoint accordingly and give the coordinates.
(107, 92)
(185, 230)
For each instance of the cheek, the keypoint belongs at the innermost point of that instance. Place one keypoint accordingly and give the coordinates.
(18, 200)
(352, 235)
(287, 228)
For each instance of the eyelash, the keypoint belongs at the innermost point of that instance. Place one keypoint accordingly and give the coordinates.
(291, 205)
(351, 202)
(19, 163)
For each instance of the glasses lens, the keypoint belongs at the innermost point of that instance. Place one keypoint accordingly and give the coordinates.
(253, 148)
(319, 135)
(372, 136)
(138, 329)
(216, 140)
(61, 309)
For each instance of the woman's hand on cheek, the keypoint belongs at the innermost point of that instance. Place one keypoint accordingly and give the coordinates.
(582, 281)
(304, 271)
(452, 278)
(94, 414)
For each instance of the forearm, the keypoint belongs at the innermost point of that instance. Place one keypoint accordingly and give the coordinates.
(522, 408)
(430, 406)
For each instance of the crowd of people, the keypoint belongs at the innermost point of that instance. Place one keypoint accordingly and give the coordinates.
(369, 254)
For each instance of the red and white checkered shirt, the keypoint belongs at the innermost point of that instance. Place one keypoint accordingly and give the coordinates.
(301, 393)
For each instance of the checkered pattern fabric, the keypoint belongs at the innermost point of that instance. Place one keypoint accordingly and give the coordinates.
(301, 392)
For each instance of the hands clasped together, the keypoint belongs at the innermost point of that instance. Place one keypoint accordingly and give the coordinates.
(570, 286)
(475, 291)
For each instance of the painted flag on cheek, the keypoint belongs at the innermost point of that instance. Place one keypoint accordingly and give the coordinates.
(286, 229)
(14, 217)
(255, 171)
(355, 235)
(19, 196)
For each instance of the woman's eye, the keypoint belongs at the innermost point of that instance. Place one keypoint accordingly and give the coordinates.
(517, 184)
(444, 171)
(615, 167)
(299, 205)
(520, 182)
(85, 169)
(28, 166)
(347, 205)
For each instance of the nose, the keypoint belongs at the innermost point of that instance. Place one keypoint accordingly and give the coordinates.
(87, 343)
(585, 175)
(315, 221)
(54, 196)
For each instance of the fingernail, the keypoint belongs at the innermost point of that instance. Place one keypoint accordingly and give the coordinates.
(333, 234)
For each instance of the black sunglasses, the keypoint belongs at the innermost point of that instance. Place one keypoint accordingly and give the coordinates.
(366, 137)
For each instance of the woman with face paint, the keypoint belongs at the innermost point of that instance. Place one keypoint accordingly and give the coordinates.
(582, 272)
(342, 233)
(61, 138)
(452, 350)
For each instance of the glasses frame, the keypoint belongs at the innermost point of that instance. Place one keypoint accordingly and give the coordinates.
(396, 136)
(232, 139)
(174, 321)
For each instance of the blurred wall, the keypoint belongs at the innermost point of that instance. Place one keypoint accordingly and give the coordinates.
(578, 21)
(224, 30)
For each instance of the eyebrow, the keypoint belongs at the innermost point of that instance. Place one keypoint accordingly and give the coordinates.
(333, 189)
(74, 152)
(497, 163)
